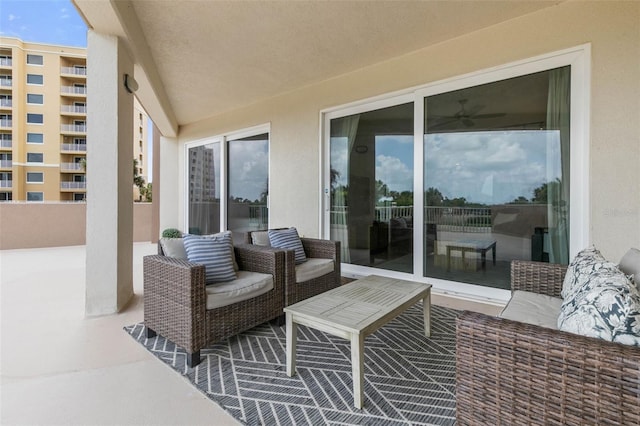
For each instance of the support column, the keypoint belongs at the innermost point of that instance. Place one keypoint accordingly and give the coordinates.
(171, 215)
(109, 263)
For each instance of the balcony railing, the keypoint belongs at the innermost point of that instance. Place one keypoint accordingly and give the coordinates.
(71, 167)
(5, 82)
(75, 109)
(4, 183)
(6, 123)
(6, 164)
(73, 71)
(74, 147)
(6, 143)
(6, 62)
(73, 90)
(74, 128)
(73, 185)
(6, 103)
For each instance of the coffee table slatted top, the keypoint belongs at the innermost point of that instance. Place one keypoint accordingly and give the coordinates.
(360, 305)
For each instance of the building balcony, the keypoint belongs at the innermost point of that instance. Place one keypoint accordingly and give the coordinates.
(73, 91)
(5, 183)
(73, 110)
(73, 128)
(6, 164)
(6, 103)
(71, 168)
(6, 124)
(73, 72)
(73, 147)
(6, 144)
(73, 186)
(6, 62)
(6, 84)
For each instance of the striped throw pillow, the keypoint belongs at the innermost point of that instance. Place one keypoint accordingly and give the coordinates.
(215, 253)
(288, 239)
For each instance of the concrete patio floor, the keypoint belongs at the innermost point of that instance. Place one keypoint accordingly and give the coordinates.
(58, 367)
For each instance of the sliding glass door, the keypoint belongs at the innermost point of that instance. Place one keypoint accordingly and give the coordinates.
(492, 170)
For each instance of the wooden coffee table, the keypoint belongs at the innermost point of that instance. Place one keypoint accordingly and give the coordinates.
(354, 311)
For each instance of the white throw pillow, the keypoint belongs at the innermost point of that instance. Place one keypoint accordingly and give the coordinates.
(630, 265)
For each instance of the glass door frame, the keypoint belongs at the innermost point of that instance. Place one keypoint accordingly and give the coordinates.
(579, 58)
(223, 139)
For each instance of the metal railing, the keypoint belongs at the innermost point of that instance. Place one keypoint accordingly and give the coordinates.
(6, 143)
(73, 185)
(6, 62)
(73, 147)
(73, 70)
(6, 102)
(259, 215)
(6, 123)
(6, 82)
(71, 167)
(75, 128)
(74, 90)
(73, 109)
(4, 183)
(5, 164)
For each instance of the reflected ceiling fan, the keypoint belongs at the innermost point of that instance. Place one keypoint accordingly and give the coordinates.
(464, 116)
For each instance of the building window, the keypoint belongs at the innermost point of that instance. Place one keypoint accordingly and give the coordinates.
(33, 98)
(6, 196)
(35, 79)
(35, 196)
(35, 118)
(35, 157)
(35, 138)
(79, 196)
(35, 59)
(35, 177)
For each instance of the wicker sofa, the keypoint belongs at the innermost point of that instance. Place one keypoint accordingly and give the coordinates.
(296, 288)
(175, 299)
(510, 372)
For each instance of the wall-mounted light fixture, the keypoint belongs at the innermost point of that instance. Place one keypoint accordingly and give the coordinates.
(130, 83)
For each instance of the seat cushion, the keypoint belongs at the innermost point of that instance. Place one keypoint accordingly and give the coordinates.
(215, 252)
(313, 268)
(246, 286)
(533, 308)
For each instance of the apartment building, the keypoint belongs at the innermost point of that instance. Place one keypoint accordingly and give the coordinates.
(43, 123)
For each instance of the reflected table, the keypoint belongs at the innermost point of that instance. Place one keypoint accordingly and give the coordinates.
(473, 246)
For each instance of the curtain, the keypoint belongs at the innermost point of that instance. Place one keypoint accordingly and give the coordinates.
(558, 118)
(346, 127)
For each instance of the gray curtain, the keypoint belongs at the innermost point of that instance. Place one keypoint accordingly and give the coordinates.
(558, 118)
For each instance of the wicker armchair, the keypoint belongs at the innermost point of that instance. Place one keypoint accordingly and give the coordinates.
(514, 373)
(313, 248)
(175, 300)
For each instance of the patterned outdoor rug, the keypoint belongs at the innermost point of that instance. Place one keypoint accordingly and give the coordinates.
(409, 379)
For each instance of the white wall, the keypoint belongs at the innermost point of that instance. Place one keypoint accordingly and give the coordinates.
(612, 28)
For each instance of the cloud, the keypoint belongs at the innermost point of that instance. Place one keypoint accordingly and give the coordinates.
(397, 175)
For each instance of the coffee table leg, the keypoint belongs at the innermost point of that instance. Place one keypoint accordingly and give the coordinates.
(357, 366)
(292, 340)
(426, 310)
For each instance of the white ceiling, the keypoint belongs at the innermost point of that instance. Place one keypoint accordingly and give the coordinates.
(205, 57)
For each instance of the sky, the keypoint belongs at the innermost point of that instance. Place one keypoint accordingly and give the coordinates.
(43, 21)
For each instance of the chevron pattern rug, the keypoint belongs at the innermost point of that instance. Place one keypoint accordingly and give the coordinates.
(409, 379)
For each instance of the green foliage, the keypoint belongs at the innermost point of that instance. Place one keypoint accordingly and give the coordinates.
(171, 233)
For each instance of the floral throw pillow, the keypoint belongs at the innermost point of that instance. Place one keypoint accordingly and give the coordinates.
(606, 307)
(581, 269)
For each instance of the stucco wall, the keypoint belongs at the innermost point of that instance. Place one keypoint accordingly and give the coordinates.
(31, 225)
(613, 30)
